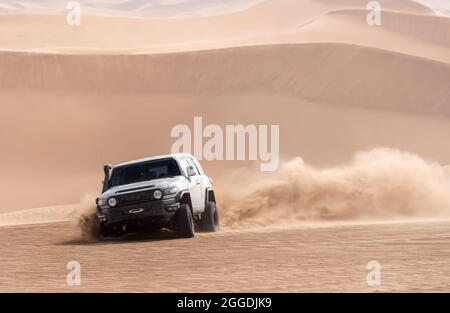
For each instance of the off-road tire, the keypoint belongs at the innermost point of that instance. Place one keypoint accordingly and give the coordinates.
(106, 231)
(184, 222)
(210, 218)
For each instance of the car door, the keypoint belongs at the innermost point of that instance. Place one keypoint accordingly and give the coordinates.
(205, 182)
(195, 187)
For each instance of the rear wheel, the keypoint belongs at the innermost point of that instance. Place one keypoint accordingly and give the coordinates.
(184, 222)
(210, 218)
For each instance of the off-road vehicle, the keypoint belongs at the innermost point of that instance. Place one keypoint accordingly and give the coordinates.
(169, 191)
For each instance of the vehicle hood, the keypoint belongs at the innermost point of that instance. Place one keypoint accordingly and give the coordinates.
(162, 183)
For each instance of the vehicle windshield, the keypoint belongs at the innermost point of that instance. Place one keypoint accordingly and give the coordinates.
(135, 173)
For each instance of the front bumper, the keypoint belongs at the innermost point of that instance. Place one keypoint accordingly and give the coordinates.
(157, 212)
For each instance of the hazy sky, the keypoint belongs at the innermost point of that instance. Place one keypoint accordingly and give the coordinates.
(439, 5)
(154, 8)
(141, 8)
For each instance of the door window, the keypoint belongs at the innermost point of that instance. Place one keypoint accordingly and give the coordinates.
(192, 163)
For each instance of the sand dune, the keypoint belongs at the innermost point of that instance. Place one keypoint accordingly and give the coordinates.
(410, 6)
(30, 32)
(410, 34)
(62, 110)
(427, 29)
(337, 74)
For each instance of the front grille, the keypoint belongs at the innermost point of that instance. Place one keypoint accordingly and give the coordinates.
(136, 197)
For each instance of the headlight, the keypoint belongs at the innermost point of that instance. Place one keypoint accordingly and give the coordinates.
(112, 202)
(102, 202)
(157, 194)
(170, 191)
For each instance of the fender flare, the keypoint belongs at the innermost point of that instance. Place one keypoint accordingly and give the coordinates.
(185, 198)
(210, 196)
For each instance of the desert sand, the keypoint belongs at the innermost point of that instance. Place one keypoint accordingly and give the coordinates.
(413, 257)
(366, 109)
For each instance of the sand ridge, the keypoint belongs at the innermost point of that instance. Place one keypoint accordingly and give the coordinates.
(30, 32)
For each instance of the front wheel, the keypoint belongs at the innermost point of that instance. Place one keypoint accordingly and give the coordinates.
(106, 231)
(184, 222)
(210, 218)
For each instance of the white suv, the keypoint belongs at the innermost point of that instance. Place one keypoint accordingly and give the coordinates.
(169, 191)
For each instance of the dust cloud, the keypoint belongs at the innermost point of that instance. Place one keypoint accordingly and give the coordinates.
(377, 184)
(84, 218)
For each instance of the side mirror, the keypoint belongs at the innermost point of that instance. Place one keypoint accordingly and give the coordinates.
(190, 171)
